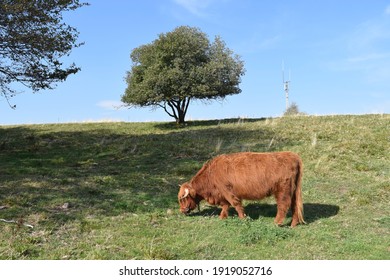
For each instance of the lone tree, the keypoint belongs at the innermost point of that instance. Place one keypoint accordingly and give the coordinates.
(33, 37)
(178, 67)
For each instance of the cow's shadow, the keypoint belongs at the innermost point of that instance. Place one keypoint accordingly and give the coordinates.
(312, 211)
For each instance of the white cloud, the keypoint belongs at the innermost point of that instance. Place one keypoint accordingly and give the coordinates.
(110, 104)
(387, 10)
(256, 44)
(372, 66)
(369, 57)
(367, 51)
(195, 7)
(370, 35)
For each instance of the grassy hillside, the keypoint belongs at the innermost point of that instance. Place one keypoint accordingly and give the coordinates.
(109, 190)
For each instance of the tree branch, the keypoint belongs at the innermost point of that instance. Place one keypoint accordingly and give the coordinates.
(19, 223)
(173, 115)
(186, 107)
(173, 106)
(33, 38)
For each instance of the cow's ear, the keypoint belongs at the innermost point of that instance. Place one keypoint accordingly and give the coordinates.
(192, 192)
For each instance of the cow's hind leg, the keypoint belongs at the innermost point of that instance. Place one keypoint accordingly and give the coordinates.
(283, 202)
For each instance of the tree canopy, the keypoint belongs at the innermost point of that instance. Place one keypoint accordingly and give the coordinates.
(33, 38)
(180, 66)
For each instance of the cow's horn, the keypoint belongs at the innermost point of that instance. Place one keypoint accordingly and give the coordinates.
(186, 192)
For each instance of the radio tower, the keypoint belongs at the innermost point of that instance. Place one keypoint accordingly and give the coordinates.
(286, 84)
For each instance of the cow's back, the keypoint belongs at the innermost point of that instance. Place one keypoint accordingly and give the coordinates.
(249, 175)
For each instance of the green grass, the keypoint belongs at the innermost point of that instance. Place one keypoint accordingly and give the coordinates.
(120, 182)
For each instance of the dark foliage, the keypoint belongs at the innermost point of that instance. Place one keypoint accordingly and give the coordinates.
(33, 38)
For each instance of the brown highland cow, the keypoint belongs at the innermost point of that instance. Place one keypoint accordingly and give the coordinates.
(228, 179)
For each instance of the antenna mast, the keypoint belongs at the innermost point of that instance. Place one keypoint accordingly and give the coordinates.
(286, 85)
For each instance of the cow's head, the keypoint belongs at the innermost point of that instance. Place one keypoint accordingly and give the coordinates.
(187, 198)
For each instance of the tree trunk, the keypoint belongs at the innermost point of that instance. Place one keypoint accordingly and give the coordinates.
(181, 118)
(178, 109)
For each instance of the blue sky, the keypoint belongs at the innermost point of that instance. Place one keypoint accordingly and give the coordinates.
(338, 53)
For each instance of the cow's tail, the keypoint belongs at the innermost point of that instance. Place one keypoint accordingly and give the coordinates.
(297, 197)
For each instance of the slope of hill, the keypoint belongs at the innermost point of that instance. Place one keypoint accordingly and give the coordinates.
(109, 190)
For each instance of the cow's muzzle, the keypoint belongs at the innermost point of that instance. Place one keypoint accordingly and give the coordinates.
(186, 210)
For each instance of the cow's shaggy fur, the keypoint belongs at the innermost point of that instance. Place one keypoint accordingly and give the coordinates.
(228, 179)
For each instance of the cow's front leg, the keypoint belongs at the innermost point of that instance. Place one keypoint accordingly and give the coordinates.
(225, 211)
(240, 210)
(236, 203)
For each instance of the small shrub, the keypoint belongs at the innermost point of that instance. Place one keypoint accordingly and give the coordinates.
(293, 110)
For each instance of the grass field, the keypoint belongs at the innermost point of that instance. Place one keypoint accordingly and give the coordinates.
(109, 190)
